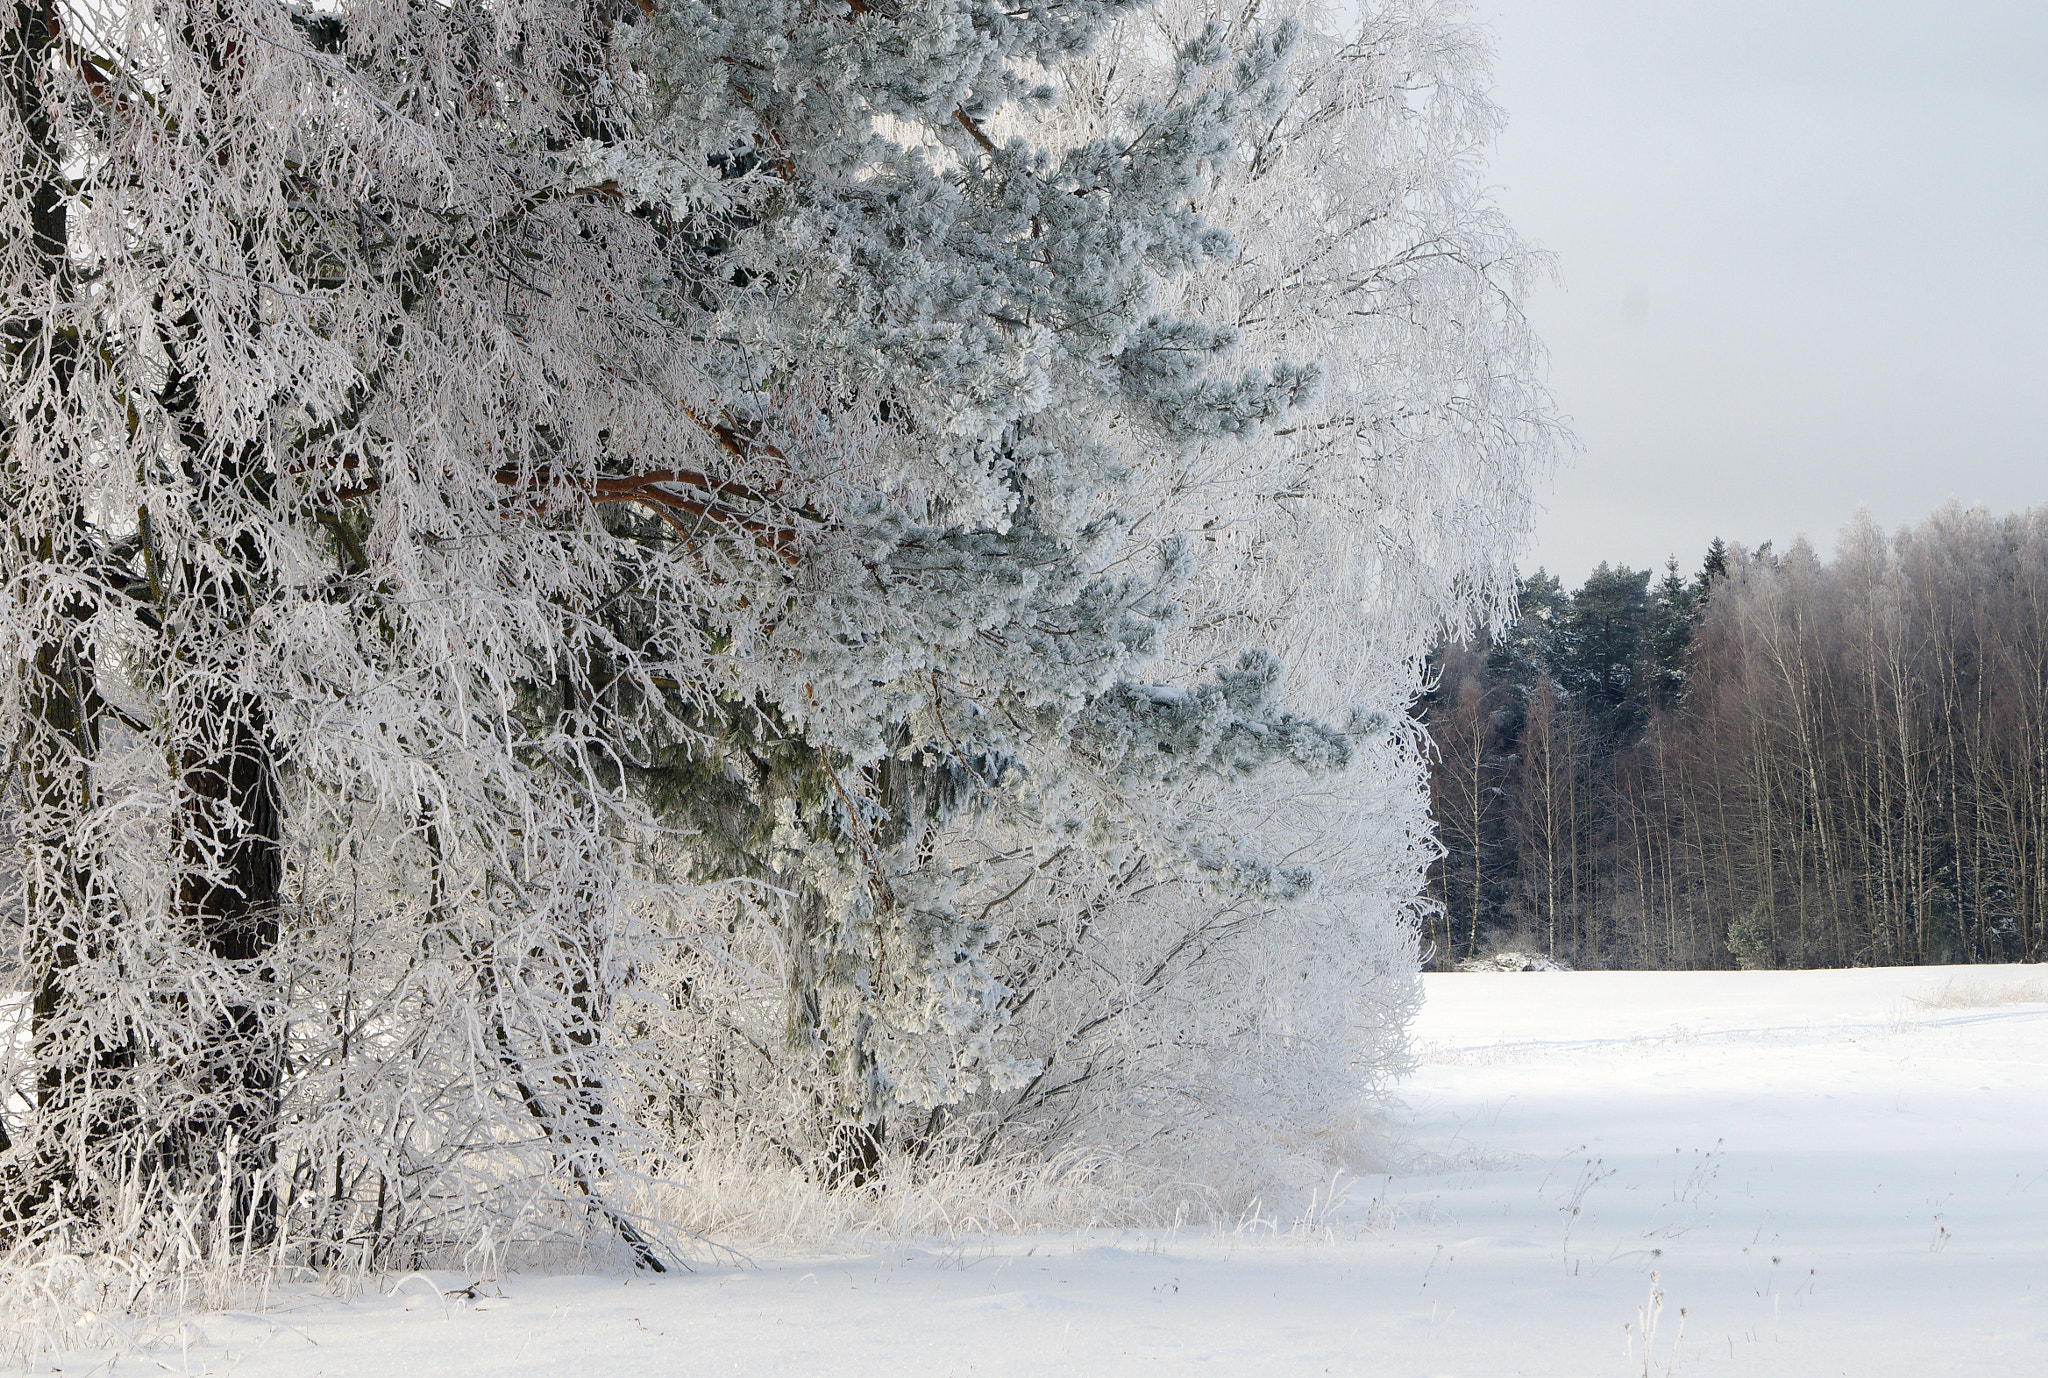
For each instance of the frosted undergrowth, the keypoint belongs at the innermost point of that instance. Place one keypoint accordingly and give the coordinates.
(1962, 994)
(1747, 1204)
(735, 1197)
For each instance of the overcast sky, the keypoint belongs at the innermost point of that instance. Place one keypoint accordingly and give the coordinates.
(1802, 245)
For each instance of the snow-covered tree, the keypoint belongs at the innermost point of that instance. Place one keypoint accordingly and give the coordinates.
(981, 320)
(575, 568)
(1383, 509)
(1156, 941)
(326, 354)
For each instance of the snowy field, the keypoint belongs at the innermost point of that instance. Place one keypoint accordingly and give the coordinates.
(1613, 1173)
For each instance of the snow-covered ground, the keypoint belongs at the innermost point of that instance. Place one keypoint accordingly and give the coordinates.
(1618, 1173)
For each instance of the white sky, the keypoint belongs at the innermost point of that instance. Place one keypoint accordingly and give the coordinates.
(1804, 246)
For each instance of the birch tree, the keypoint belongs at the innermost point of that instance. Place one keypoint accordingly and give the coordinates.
(325, 348)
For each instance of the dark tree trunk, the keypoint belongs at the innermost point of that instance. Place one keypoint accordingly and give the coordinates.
(230, 850)
(233, 868)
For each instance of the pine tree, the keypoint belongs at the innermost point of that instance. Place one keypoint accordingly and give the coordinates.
(1604, 648)
(1674, 609)
(1080, 857)
(987, 318)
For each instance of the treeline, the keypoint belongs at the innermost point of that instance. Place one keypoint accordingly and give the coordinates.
(1776, 761)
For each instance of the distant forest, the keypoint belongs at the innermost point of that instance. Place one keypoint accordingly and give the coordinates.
(1777, 760)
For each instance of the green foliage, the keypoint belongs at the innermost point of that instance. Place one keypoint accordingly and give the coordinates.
(1610, 657)
(1750, 941)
